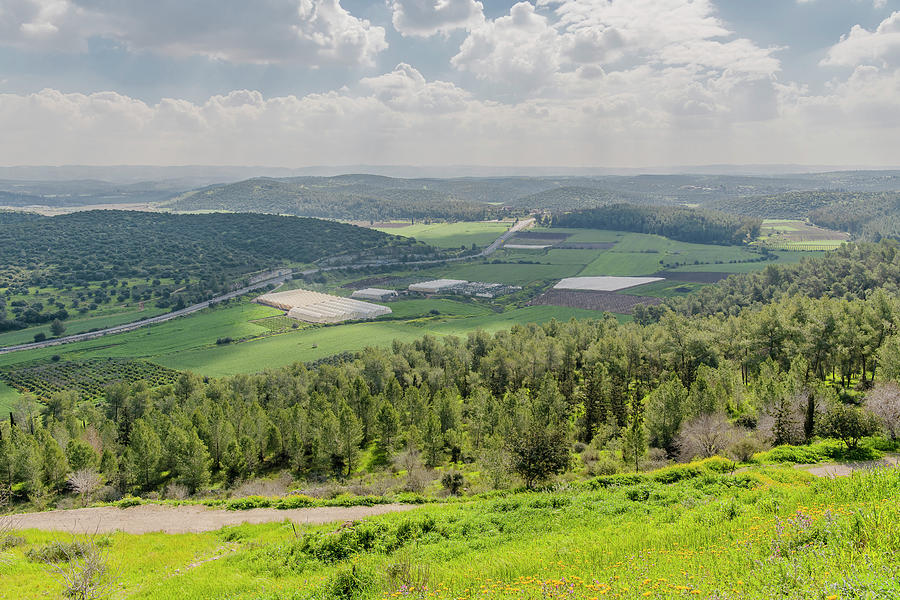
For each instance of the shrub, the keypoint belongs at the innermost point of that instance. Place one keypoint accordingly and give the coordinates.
(56, 552)
(248, 502)
(128, 502)
(296, 501)
(452, 481)
(351, 583)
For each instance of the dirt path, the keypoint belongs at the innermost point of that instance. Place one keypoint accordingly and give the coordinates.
(845, 469)
(186, 519)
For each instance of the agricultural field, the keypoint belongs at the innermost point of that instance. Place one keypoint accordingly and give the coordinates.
(787, 234)
(760, 534)
(88, 377)
(100, 319)
(452, 235)
(615, 302)
(190, 343)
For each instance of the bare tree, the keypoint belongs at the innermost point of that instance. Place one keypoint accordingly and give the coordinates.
(884, 402)
(84, 482)
(84, 570)
(705, 436)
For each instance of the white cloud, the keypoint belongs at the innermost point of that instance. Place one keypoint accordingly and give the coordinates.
(424, 18)
(538, 49)
(405, 89)
(521, 49)
(311, 32)
(862, 46)
(643, 116)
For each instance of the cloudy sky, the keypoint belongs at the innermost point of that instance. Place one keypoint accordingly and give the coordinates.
(580, 83)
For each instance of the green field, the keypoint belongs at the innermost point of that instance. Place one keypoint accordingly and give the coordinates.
(663, 289)
(189, 343)
(761, 534)
(80, 325)
(8, 397)
(452, 235)
(786, 234)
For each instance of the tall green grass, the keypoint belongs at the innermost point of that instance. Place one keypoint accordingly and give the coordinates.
(696, 531)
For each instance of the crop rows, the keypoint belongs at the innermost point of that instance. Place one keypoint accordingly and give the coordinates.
(88, 378)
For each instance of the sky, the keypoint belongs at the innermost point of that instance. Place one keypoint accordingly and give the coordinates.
(550, 83)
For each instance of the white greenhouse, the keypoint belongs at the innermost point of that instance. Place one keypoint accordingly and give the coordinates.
(315, 307)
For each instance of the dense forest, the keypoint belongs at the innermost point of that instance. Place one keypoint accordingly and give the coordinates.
(790, 205)
(197, 255)
(517, 402)
(684, 224)
(868, 216)
(850, 272)
(576, 198)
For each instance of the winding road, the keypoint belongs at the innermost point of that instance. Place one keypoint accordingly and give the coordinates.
(279, 279)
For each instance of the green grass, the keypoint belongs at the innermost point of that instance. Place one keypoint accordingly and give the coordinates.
(663, 289)
(768, 533)
(452, 235)
(198, 330)
(623, 264)
(8, 399)
(190, 343)
(785, 257)
(80, 325)
(513, 274)
(320, 342)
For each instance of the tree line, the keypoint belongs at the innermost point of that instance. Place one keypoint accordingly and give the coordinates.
(518, 402)
(684, 224)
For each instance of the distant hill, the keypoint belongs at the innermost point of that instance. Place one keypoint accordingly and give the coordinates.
(789, 205)
(577, 198)
(99, 246)
(358, 198)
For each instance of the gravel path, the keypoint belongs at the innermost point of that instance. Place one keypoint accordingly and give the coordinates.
(147, 518)
(845, 469)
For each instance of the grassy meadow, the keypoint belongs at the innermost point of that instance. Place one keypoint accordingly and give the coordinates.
(694, 531)
(452, 235)
(189, 343)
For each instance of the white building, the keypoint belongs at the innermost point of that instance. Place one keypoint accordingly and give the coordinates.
(315, 307)
(377, 294)
(435, 286)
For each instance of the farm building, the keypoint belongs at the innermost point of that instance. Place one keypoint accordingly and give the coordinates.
(435, 286)
(604, 283)
(463, 288)
(377, 294)
(314, 307)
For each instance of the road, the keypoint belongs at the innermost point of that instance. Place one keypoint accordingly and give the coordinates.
(281, 278)
(91, 335)
(148, 518)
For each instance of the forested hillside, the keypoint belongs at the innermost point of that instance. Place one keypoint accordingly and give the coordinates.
(851, 272)
(196, 255)
(684, 224)
(513, 403)
(334, 198)
(790, 205)
(870, 216)
(576, 198)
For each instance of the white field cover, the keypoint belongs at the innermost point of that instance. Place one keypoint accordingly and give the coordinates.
(315, 307)
(603, 284)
